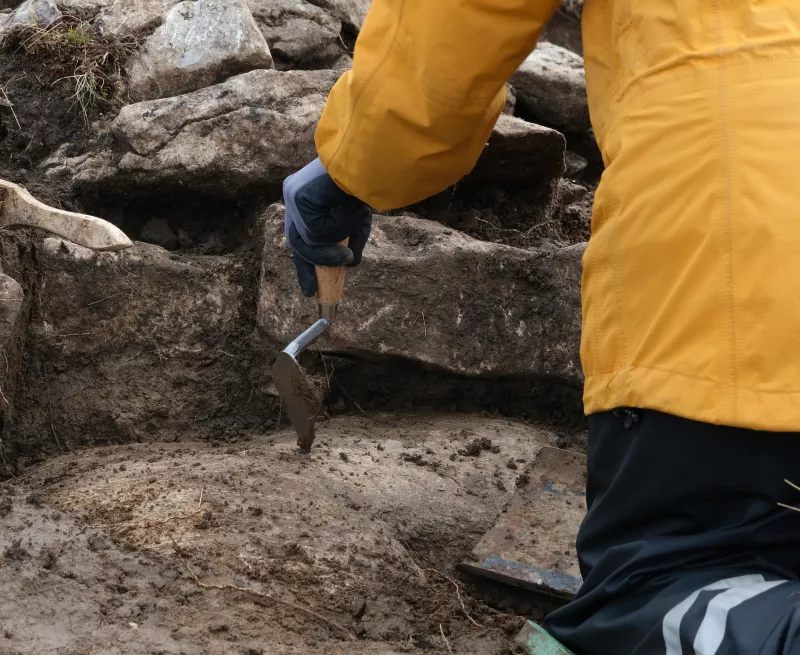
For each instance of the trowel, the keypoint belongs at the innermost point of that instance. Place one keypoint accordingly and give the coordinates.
(299, 394)
(18, 208)
(532, 544)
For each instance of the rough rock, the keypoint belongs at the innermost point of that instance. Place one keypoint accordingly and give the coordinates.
(572, 8)
(303, 41)
(574, 209)
(564, 29)
(84, 9)
(575, 164)
(299, 34)
(199, 44)
(551, 88)
(255, 129)
(519, 153)
(343, 63)
(32, 12)
(12, 339)
(511, 100)
(250, 131)
(433, 295)
(350, 12)
(134, 344)
(137, 17)
(12, 333)
(88, 167)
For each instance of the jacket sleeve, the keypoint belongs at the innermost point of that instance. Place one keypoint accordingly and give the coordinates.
(426, 88)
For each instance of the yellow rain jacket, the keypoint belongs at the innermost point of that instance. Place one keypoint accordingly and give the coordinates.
(691, 287)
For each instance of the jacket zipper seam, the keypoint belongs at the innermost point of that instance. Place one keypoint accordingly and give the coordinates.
(727, 210)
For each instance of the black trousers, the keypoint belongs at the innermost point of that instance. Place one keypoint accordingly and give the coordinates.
(684, 549)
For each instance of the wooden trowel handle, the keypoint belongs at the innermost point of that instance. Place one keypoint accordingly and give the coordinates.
(330, 287)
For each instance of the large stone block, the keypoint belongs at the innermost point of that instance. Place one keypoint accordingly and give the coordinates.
(519, 153)
(551, 87)
(120, 17)
(438, 297)
(32, 12)
(255, 129)
(135, 345)
(199, 44)
(251, 131)
(351, 12)
(299, 34)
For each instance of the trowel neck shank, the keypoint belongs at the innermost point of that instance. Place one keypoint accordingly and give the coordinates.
(307, 338)
(327, 311)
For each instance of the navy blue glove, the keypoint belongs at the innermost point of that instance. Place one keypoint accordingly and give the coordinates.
(318, 216)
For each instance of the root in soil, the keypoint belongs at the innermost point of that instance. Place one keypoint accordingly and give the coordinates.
(261, 594)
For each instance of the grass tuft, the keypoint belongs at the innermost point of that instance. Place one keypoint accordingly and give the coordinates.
(74, 52)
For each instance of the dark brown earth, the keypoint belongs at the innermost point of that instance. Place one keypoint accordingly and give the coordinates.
(36, 116)
(123, 549)
(39, 107)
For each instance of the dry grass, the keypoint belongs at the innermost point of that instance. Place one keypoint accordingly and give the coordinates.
(791, 507)
(74, 52)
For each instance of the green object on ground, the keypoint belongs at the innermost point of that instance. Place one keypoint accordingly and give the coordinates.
(537, 641)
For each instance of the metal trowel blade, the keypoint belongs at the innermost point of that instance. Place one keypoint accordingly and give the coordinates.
(290, 381)
(300, 397)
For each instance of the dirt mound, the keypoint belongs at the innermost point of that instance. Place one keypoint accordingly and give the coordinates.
(350, 550)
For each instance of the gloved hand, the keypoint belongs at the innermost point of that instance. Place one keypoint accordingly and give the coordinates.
(318, 216)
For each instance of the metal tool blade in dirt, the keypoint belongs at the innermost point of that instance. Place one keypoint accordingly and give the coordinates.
(532, 544)
(301, 393)
(301, 396)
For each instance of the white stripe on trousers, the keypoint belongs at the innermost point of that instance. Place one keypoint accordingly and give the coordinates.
(712, 629)
(671, 626)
